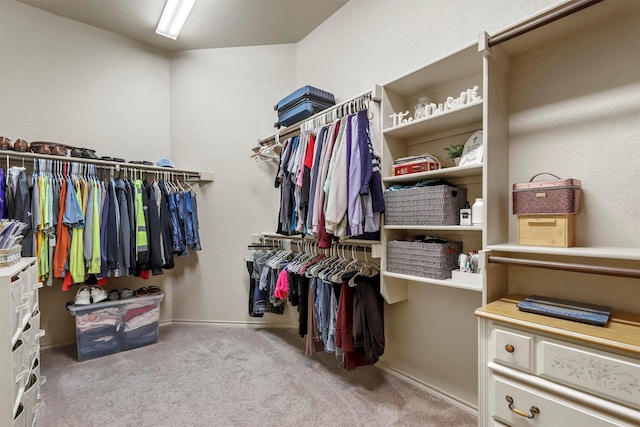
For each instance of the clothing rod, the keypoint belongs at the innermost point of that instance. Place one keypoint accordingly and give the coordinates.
(541, 21)
(344, 245)
(20, 157)
(296, 128)
(580, 268)
(354, 242)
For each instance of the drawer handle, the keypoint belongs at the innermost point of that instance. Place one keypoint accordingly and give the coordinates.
(541, 221)
(533, 410)
(509, 348)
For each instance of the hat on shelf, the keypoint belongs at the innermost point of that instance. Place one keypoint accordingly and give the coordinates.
(164, 162)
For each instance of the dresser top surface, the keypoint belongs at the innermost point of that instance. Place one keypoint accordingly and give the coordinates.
(622, 332)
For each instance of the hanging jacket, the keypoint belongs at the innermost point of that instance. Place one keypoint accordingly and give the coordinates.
(22, 206)
(63, 240)
(165, 225)
(124, 253)
(155, 231)
(195, 223)
(113, 236)
(104, 231)
(131, 243)
(3, 194)
(179, 244)
(142, 242)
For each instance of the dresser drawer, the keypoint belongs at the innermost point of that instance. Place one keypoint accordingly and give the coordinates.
(608, 375)
(518, 405)
(513, 348)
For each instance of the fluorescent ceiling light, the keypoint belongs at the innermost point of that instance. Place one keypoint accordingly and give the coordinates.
(173, 17)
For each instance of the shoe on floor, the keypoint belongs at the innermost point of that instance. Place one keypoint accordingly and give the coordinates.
(126, 293)
(114, 295)
(98, 294)
(83, 296)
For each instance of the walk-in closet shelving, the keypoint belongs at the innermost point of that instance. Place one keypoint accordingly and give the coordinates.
(448, 333)
(557, 86)
(445, 78)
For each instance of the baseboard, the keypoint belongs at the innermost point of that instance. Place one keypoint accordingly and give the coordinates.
(235, 323)
(465, 406)
(57, 345)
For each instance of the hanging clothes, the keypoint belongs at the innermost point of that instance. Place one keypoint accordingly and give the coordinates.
(338, 299)
(79, 225)
(330, 182)
(19, 206)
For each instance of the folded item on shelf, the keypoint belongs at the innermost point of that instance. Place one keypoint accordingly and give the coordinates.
(423, 183)
(565, 309)
(423, 156)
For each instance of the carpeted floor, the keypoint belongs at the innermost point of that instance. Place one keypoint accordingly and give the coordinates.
(210, 375)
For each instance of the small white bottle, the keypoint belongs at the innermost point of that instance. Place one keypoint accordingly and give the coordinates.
(465, 214)
(477, 212)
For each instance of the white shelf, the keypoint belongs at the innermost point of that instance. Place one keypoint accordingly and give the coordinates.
(445, 173)
(588, 252)
(469, 228)
(447, 282)
(450, 119)
(457, 65)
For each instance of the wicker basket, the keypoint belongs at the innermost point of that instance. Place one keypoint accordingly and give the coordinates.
(431, 260)
(432, 205)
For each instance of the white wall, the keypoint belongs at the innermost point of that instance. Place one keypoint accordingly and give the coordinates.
(75, 84)
(71, 83)
(370, 42)
(221, 103)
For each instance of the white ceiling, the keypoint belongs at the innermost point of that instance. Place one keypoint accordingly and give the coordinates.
(211, 24)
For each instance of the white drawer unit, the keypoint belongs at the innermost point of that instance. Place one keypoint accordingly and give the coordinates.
(20, 344)
(541, 371)
(516, 404)
(610, 376)
(513, 348)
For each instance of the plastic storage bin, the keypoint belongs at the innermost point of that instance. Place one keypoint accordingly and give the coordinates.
(112, 326)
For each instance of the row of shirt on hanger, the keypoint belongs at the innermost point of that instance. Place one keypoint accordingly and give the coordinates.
(338, 300)
(80, 225)
(330, 182)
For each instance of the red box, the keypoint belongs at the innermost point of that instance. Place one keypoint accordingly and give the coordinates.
(414, 167)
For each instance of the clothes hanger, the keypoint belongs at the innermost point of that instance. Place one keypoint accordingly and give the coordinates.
(291, 266)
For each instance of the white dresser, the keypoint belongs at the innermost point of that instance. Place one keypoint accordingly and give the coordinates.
(20, 334)
(542, 371)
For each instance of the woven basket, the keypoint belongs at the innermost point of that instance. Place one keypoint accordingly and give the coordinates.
(433, 205)
(430, 260)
